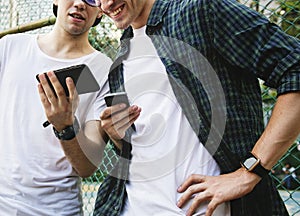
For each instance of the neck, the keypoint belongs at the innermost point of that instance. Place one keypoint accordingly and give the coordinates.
(143, 18)
(65, 45)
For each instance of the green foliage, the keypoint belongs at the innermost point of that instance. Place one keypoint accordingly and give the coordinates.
(97, 177)
(290, 12)
(268, 94)
(105, 37)
(289, 5)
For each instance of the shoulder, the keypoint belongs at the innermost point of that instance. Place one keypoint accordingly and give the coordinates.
(15, 38)
(12, 44)
(100, 65)
(200, 5)
(102, 60)
(188, 5)
(189, 10)
(185, 18)
(104, 57)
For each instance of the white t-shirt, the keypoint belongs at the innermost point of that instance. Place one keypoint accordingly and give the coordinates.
(36, 178)
(165, 149)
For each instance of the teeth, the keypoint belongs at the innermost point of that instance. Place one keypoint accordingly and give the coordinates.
(116, 12)
(76, 16)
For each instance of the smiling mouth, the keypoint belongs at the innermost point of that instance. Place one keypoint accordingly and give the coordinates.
(117, 11)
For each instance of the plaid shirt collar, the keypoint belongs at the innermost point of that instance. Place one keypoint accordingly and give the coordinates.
(158, 12)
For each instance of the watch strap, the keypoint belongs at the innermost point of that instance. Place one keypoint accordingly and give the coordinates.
(69, 132)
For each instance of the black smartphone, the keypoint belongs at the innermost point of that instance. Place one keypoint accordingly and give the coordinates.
(81, 75)
(116, 98)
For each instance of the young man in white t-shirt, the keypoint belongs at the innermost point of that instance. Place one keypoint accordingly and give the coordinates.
(40, 173)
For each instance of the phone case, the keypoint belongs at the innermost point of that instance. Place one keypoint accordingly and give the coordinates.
(116, 98)
(81, 75)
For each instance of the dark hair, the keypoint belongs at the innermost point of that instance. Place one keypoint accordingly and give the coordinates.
(97, 21)
(288, 163)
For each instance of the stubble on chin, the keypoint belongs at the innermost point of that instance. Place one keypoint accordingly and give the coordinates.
(121, 24)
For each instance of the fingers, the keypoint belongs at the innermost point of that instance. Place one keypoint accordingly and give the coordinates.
(192, 179)
(215, 190)
(190, 188)
(126, 122)
(213, 204)
(47, 89)
(201, 198)
(115, 120)
(43, 97)
(195, 188)
(71, 88)
(108, 112)
(119, 112)
(73, 94)
(57, 87)
(54, 90)
(58, 107)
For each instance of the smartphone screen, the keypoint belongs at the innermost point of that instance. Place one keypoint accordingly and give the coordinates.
(81, 75)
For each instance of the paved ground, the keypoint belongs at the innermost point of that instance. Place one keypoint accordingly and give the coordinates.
(291, 199)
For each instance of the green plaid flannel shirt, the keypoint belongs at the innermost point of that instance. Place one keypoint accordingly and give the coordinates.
(241, 46)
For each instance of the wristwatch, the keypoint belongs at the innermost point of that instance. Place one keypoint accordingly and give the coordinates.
(69, 132)
(252, 164)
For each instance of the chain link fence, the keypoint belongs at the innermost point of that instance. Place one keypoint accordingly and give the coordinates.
(35, 16)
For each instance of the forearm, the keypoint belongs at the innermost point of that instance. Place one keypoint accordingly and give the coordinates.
(281, 131)
(85, 151)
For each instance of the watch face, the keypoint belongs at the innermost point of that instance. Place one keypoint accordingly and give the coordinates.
(250, 162)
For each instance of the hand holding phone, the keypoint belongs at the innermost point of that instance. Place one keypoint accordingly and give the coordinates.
(117, 98)
(81, 75)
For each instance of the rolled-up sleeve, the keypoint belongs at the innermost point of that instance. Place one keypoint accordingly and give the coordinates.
(248, 40)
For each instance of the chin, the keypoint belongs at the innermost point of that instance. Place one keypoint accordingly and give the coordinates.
(76, 31)
(122, 25)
